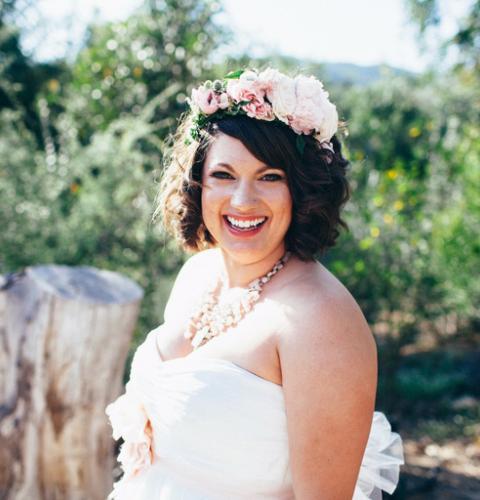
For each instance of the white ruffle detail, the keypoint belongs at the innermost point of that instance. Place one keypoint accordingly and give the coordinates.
(130, 421)
(381, 462)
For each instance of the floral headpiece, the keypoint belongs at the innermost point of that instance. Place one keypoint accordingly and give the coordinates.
(299, 102)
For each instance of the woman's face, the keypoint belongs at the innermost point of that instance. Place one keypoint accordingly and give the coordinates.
(246, 205)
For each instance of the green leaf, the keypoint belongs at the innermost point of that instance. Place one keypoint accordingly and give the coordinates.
(233, 75)
(300, 143)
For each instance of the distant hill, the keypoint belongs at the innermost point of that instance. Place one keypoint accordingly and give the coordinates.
(347, 73)
(330, 73)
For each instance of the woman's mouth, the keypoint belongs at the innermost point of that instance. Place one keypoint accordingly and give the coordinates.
(244, 227)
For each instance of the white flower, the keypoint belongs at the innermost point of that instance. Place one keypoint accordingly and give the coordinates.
(248, 75)
(314, 112)
(329, 124)
(130, 421)
(280, 91)
(135, 457)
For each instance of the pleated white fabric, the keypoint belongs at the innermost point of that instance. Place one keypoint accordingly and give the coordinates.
(207, 429)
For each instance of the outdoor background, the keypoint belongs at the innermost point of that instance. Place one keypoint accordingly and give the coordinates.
(88, 98)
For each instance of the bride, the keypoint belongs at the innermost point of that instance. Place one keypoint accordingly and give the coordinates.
(261, 382)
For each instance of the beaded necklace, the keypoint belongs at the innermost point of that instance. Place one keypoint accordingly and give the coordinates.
(211, 318)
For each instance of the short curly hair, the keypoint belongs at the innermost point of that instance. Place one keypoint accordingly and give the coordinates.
(316, 179)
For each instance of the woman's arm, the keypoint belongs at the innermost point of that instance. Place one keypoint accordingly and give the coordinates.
(329, 369)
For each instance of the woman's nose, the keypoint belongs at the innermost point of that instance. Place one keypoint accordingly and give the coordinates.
(244, 196)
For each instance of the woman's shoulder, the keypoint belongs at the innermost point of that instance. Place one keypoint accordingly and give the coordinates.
(192, 279)
(197, 269)
(309, 285)
(205, 262)
(319, 312)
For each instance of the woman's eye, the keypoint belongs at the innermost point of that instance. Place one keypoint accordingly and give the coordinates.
(272, 177)
(221, 175)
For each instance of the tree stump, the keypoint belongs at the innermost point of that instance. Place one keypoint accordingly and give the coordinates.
(65, 333)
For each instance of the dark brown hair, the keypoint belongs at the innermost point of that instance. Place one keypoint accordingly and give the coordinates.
(316, 179)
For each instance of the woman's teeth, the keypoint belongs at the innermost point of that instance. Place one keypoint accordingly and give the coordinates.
(244, 224)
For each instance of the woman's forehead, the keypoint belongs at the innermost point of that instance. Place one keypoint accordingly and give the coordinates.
(229, 151)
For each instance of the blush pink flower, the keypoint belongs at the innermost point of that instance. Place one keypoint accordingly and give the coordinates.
(205, 100)
(259, 109)
(208, 101)
(313, 113)
(130, 421)
(280, 91)
(246, 88)
(137, 456)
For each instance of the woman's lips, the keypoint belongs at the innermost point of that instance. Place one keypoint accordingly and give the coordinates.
(244, 232)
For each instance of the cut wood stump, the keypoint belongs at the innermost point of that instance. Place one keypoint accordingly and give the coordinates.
(65, 333)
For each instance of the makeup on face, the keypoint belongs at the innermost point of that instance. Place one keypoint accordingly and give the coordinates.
(246, 204)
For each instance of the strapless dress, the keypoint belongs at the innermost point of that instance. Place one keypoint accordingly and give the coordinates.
(207, 429)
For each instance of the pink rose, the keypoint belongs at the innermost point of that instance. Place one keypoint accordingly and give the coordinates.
(246, 88)
(259, 109)
(208, 101)
(250, 89)
(205, 99)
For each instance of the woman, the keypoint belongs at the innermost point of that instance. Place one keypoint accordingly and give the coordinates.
(261, 382)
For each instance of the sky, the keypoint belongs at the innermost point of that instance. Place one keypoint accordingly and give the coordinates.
(364, 32)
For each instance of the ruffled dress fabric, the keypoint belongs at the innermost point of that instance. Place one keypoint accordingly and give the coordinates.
(207, 429)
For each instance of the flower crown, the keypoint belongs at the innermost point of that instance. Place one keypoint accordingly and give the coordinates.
(299, 102)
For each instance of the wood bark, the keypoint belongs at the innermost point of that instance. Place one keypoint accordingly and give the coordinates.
(65, 333)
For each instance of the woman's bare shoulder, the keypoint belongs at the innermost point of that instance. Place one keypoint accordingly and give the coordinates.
(319, 310)
(190, 284)
(196, 269)
(201, 262)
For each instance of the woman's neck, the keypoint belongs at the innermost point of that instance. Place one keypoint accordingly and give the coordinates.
(237, 274)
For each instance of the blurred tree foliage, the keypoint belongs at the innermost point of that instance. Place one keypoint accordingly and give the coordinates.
(124, 65)
(86, 194)
(20, 78)
(414, 150)
(427, 15)
(414, 217)
(81, 148)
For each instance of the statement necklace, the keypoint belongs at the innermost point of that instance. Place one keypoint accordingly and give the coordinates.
(212, 318)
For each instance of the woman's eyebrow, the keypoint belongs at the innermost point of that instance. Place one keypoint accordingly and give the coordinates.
(229, 167)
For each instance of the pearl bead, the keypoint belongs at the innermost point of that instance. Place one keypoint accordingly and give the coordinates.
(212, 319)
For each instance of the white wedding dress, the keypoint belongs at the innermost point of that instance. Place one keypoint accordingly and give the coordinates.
(207, 429)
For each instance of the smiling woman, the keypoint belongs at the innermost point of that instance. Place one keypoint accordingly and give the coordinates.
(315, 180)
(261, 382)
(244, 201)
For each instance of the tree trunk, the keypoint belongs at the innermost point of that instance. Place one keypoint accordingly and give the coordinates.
(65, 334)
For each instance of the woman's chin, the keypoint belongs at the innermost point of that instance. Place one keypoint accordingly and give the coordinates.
(248, 253)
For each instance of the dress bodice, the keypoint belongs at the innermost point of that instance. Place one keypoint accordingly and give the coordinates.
(207, 429)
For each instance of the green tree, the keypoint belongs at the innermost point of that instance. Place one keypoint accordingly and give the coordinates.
(21, 79)
(86, 195)
(124, 65)
(426, 15)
